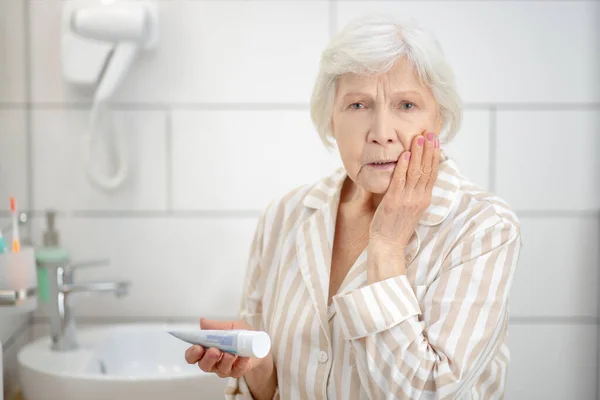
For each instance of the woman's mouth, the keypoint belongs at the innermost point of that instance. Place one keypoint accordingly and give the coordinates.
(383, 165)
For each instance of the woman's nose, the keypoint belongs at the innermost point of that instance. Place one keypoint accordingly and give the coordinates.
(382, 131)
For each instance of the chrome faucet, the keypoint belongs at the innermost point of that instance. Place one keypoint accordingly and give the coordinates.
(61, 291)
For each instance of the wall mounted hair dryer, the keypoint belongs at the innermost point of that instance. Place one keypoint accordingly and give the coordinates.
(100, 42)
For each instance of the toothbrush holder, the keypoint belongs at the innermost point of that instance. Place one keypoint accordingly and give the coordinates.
(18, 279)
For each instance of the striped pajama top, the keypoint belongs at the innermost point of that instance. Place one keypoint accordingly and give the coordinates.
(437, 332)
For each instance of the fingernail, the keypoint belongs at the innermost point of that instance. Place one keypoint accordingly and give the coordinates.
(430, 136)
(407, 156)
(420, 141)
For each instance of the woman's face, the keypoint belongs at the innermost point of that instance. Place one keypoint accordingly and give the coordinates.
(375, 119)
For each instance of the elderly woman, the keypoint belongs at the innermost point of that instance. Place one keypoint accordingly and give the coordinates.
(390, 278)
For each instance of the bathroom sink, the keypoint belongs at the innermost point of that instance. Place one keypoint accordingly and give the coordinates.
(118, 362)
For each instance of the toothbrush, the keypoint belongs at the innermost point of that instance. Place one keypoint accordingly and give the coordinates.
(16, 246)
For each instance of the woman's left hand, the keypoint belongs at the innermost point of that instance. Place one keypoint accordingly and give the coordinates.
(407, 198)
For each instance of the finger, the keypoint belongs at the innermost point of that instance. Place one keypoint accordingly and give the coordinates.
(435, 166)
(240, 367)
(414, 168)
(426, 159)
(224, 366)
(216, 325)
(210, 359)
(399, 177)
(193, 354)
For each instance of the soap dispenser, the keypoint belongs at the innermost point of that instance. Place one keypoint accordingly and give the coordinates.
(51, 237)
(50, 253)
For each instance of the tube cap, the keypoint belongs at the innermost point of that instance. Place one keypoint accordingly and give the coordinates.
(253, 344)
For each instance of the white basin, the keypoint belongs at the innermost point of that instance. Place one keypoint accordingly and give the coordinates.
(118, 362)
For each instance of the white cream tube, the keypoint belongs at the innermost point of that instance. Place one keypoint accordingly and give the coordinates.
(244, 343)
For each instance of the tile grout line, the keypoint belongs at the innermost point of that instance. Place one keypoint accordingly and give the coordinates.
(28, 114)
(169, 160)
(29, 136)
(214, 213)
(525, 320)
(353, 1)
(557, 213)
(550, 320)
(454, 1)
(249, 213)
(598, 342)
(159, 106)
(492, 149)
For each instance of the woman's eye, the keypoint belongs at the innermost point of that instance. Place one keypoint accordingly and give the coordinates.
(407, 105)
(356, 106)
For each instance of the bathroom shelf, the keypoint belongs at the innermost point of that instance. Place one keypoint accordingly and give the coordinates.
(16, 297)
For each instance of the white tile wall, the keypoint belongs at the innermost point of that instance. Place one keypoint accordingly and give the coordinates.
(209, 51)
(58, 170)
(243, 159)
(228, 129)
(552, 362)
(509, 51)
(470, 148)
(548, 160)
(179, 267)
(12, 51)
(558, 268)
(13, 158)
(46, 75)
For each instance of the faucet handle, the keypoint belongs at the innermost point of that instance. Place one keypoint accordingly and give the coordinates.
(67, 271)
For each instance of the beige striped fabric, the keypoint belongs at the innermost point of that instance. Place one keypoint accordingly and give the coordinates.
(438, 332)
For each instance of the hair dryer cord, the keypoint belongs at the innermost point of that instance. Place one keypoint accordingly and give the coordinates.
(90, 138)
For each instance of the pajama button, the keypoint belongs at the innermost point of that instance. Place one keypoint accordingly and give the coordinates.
(323, 357)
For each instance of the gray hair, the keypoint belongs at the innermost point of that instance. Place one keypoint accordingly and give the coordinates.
(371, 45)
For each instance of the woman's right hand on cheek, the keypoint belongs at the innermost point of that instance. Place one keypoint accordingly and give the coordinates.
(222, 363)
